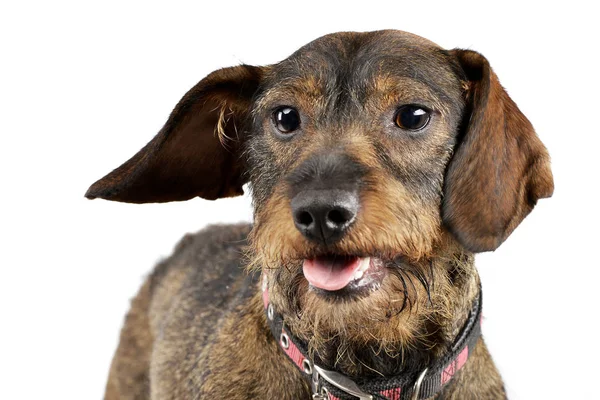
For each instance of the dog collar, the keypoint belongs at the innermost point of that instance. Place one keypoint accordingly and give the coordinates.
(331, 385)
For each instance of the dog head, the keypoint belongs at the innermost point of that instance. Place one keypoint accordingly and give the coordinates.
(370, 156)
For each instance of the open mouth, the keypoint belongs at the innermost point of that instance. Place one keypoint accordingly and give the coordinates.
(333, 273)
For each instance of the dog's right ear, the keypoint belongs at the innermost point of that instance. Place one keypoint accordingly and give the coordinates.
(500, 168)
(196, 153)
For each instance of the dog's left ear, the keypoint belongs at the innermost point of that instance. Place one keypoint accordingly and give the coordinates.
(196, 153)
(500, 168)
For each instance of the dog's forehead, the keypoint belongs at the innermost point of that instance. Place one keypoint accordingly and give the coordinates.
(360, 62)
(352, 44)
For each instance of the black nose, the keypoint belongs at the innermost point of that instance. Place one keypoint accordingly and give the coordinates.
(324, 215)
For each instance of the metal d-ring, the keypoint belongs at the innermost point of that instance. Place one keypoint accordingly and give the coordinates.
(417, 386)
(284, 340)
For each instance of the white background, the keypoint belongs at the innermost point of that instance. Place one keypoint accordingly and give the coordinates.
(83, 87)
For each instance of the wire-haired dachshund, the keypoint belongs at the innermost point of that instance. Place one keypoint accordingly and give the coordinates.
(378, 163)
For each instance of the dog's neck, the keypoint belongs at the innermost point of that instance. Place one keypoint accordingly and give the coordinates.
(440, 319)
(422, 369)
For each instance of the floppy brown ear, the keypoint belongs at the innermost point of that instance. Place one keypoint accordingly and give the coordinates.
(500, 168)
(196, 153)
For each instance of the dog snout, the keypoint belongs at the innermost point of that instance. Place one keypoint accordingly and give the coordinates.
(324, 192)
(324, 215)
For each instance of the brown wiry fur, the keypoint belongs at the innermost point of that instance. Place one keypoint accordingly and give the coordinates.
(428, 199)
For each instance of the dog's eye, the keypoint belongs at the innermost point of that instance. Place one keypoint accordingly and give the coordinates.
(286, 119)
(412, 117)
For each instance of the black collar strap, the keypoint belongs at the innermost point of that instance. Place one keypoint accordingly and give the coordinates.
(331, 385)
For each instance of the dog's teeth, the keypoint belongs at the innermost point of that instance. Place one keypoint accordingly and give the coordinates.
(364, 264)
(358, 274)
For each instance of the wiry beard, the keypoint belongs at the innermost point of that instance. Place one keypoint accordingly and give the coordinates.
(395, 327)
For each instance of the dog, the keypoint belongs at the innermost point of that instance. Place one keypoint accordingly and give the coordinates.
(378, 164)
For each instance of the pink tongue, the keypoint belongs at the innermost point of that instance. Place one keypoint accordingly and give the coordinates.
(330, 273)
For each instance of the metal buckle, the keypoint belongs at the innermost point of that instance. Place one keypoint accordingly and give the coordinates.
(341, 382)
(318, 393)
(417, 386)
